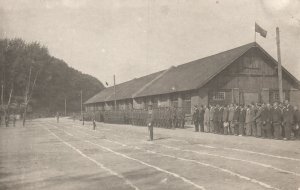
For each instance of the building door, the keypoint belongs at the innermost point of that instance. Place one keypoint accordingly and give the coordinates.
(250, 97)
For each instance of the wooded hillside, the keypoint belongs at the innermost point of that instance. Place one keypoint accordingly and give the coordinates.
(55, 79)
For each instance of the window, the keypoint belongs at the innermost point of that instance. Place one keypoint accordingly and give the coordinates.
(187, 103)
(219, 96)
(276, 96)
(251, 63)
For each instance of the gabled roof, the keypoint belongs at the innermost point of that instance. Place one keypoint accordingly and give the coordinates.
(194, 74)
(124, 90)
(188, 76)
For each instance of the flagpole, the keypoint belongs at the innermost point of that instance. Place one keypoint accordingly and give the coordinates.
(254, 32)
(279, 66)
(115, 101)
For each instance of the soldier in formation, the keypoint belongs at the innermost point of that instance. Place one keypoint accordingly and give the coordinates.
(278, 121)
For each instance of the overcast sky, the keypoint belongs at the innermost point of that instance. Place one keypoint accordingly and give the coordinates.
(132, 38)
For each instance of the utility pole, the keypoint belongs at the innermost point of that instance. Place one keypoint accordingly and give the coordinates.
(81, 107)
(115, 93)
(65, 106)
(279, 66)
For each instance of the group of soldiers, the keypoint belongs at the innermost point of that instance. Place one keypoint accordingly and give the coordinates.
(278, 121)
(165, 117)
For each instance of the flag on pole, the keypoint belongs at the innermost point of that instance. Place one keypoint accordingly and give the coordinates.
(260, 30)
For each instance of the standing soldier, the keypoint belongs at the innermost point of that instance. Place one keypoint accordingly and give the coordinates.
(276, 120)
(206, 119)
(201, 118)
(57, 117)
(94, 124)
(267, 122)
(220, 120)
(235, 120)
(249, 121)
(174, 118)
(14, 119)
(242, 119)
(225, 120)
(230, 119)
(6, 120)
(258, 119)
(196, 118)
(150, 122)
(216, 119)
(287, 117)
(296, 122)
(211, 117)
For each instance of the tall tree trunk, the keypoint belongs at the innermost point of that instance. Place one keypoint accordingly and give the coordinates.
(24, 115)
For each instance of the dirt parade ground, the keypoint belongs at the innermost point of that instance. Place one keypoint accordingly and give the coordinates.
(67, 155)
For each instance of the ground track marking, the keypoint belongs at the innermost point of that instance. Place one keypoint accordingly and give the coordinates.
(215, 155)
(235, 149)
(144, 163)
(232, 158)
(184, 159)
(149, 165)
(194, 161)
(94, 161)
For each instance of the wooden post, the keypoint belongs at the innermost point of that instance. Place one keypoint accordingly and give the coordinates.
(279, 65)
(81, 107)
(65, 106)
(115, 100)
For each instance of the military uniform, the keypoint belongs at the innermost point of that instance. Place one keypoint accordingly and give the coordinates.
(201, 119)
(287, 117)
(211, 121)
(230, 120)
(206, 120)
(266, 117)
(235, 120)
(225, 121)
(220, 121)
(296, 123)
(196, 119)
(150, 124)
(242, 119)
(258, 121)
(276, 121)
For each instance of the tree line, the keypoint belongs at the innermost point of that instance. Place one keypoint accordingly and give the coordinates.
(33, 80)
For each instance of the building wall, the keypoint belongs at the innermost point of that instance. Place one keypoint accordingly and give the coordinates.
(251, 78)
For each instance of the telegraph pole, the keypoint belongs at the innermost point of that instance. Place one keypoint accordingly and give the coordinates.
(279, 65)
(115, 93)
(65, 106)
(81, 108)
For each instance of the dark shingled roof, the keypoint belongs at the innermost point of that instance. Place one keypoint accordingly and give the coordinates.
(124, 90)
(194, 74)
(188, 76)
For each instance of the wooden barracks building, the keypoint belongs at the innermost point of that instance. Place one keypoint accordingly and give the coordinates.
(241, 75)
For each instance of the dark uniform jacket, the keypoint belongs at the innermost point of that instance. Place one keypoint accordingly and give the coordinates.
(297, 117)
(201, 114)
(276, 115)
(216, 115)
(225, 115)
(236, 114)
(258, 114)
(288, 114)
(230, 114)
(196, 115)
(242, 115)
(266, 115)
(220, 114)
